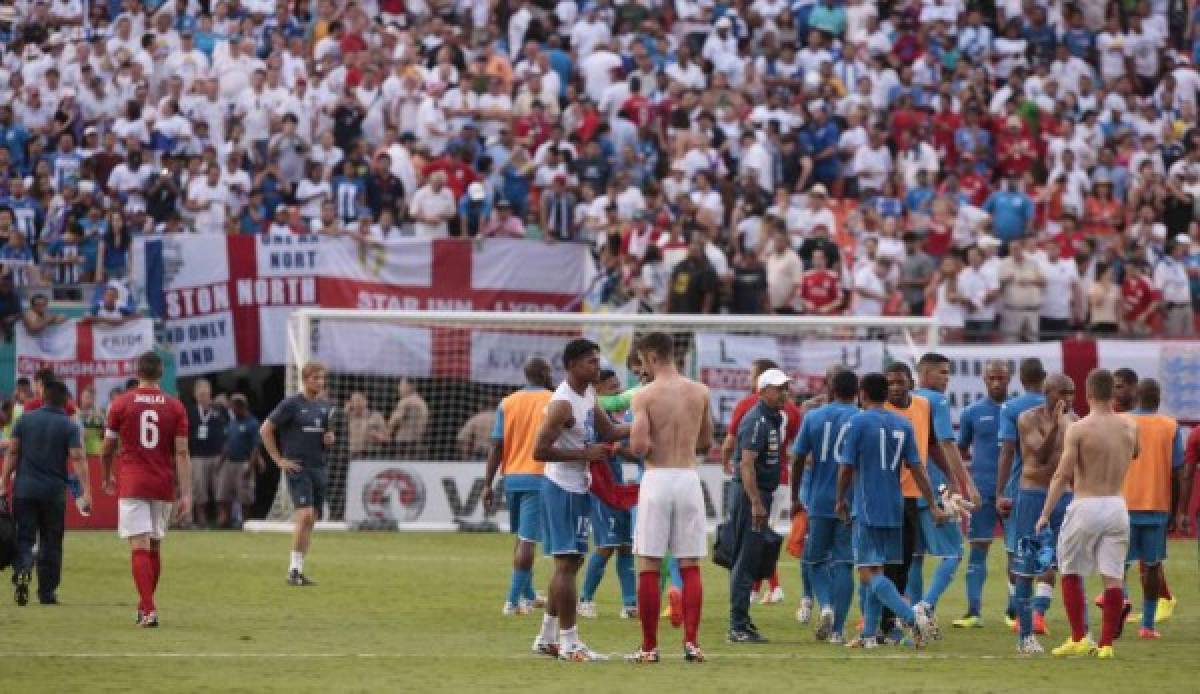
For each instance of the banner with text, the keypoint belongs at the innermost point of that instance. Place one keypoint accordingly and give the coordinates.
(85, 353)
(441, 496)
(723, 363)
(225, 301)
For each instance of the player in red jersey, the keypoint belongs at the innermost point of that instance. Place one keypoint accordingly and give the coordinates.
(1139, 298)
(820, 291)
(152, 430)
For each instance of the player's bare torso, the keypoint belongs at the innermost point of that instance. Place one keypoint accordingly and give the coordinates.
(1106, 445)
(678, 410)
(1034, 426)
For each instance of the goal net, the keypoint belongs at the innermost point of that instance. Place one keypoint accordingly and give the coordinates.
(415, 392)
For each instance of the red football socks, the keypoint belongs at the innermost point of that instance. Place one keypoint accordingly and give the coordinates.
(1114, 611)
(1076, 605)
(649, 602)
(156, 558)
(142, 564)
(693, 600)
(774, 582)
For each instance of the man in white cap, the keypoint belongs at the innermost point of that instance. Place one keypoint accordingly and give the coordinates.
(760, 457)
(1171, 280)
(814, 214)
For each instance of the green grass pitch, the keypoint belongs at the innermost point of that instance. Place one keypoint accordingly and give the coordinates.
(421, 613)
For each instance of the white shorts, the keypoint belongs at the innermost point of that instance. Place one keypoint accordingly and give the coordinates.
(1094, 537)
(143, 517)
(670, 515)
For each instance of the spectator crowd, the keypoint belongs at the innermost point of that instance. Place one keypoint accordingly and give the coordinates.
(1023, 168)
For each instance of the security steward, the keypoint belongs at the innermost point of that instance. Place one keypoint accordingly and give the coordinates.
(43, 440)
(761, 456)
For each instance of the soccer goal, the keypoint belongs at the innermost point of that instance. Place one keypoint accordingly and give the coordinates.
(415, 392)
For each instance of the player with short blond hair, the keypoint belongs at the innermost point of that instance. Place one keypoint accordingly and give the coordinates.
(296, 436)
(1097, 452)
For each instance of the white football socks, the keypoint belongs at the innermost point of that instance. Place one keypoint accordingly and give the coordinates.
(297, 562)
(549, 629)
(569, 637)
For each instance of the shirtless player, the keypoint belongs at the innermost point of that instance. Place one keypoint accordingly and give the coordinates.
(1097, 452)
(671, 425)
(1040, 432)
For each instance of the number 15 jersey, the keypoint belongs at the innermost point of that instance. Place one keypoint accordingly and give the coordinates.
(145, 422)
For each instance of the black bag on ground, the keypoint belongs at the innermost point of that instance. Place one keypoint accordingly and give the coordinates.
(8, 538)
(770, 543)
(723, 546)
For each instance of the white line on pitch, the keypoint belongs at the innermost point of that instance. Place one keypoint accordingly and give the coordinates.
(512, 656)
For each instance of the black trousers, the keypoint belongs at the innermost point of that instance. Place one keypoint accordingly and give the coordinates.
(41, 521)
(898, 573)
(1053, 329)
(747, 554)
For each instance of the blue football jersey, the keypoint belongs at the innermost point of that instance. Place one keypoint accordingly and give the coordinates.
(820, 436)
(876, 443)
(978, 432)
(943, 428)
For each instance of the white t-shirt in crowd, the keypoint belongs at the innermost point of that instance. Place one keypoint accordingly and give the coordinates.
(1062, 281)
(214, 198)
(866, 278)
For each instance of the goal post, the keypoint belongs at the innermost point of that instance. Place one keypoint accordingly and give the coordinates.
(419, 389)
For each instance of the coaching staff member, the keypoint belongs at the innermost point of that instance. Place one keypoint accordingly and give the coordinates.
(760, 455)
(42, 442)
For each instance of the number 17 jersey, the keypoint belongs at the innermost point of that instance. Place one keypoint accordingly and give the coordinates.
(145, 422)
(876, 443)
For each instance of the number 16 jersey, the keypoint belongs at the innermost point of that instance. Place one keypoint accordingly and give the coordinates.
(146, 422)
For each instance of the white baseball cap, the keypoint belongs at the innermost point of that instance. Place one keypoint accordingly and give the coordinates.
(772, 377)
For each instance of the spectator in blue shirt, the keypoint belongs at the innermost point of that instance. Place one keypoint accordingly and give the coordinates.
(13, 137)
(919, 198)
(1041, 37)
(819, 141)
(1080, 40)
(1011, 210)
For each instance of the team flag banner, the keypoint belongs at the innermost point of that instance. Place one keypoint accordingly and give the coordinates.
(85, 353)
(225, 301)
(1175, 365)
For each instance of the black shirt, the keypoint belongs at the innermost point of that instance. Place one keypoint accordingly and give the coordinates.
(46, 437)
(206, 430)
(300, 426)
(749, 289)
(832, 255)
(691, 282)
(385, 192)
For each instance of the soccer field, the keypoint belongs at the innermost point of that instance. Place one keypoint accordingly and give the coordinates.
(421, 612)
